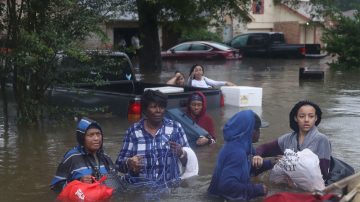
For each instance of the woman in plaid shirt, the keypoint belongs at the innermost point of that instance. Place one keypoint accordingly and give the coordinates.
(152, 147)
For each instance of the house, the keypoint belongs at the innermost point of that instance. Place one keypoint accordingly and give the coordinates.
(119, 29)
(297, 24)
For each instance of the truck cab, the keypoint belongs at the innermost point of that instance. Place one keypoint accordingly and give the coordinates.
(269, 44)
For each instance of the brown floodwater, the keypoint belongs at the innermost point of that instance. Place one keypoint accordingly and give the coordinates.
(29, 157)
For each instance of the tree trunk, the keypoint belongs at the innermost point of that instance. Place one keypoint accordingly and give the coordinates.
(149, 58)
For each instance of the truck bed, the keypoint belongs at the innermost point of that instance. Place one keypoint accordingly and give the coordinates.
(116, 96)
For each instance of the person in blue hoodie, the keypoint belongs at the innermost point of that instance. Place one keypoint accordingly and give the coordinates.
(86, 160)
(236, 163)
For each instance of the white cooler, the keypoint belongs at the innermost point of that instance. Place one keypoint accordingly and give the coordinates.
(167, 89)
(242, 96)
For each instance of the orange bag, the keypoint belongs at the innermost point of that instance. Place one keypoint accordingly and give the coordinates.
(79, 191)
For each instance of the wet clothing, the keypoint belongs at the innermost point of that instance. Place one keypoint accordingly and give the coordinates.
(314, 140)
(78, 163)
(202, 119)
(231, 178)
(157, 155)
(205, 83)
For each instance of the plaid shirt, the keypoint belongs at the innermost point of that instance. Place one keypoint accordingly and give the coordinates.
(159, 162)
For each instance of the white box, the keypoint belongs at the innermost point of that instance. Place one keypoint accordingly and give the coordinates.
(242, 96)
(167, 89)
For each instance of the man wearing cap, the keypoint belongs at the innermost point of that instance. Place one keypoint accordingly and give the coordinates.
(86, 160)
(196, 110)
(235, 165)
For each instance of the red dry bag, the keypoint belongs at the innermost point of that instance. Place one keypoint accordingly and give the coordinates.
(79, 191)
(300, 197)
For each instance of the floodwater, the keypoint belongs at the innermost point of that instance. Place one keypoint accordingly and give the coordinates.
(29, 157)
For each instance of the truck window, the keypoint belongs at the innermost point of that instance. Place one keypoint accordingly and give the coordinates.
(95, 68)
(256, 40)
(239, 41)
(277, 38)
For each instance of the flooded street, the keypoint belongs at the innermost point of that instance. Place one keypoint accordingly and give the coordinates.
(29, 157)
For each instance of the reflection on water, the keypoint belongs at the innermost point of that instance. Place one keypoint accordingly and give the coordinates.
(29, 157)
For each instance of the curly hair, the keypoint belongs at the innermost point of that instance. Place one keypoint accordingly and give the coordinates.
(293, 113)
(153, 96)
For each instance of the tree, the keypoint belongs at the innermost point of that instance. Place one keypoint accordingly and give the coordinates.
(185, 14)
(343, 40)
(36, 31)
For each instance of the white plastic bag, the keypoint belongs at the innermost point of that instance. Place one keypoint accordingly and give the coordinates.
(301, 167)
(192, 165)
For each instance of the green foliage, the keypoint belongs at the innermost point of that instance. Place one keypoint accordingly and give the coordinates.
(346, 4)
(343, 40)
(37, 30)
(200, 35)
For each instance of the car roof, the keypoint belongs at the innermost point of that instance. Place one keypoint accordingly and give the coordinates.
(217, 45)
(245, 33)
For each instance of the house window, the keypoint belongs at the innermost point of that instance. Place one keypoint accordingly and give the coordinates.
(258, 7)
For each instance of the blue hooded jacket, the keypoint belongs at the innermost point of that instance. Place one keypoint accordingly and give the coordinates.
(78, 162)
(231, 178)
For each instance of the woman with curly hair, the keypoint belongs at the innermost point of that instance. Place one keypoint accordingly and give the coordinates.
(304, 118)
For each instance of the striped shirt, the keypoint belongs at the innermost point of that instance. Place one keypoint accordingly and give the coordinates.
(76, 164)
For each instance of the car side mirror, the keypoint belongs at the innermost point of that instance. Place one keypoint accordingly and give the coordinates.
(172, 50)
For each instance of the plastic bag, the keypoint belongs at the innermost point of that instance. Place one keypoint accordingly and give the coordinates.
(338, 170)
(79, 191)
(115, 181)
(192, 165)
(302, 168)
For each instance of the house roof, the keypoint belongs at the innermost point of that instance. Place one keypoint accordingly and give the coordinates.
(304, 10)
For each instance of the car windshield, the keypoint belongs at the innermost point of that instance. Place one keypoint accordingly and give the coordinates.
(220, 46)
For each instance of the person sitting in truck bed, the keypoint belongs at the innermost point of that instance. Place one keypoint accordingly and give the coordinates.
(197, 79)
(178, 79)
(196, 110)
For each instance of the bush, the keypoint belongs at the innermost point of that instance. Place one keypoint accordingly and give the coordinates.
(343, 41)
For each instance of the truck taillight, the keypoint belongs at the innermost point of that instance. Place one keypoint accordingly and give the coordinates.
(302, 50)
(134, 110)
(222, 101)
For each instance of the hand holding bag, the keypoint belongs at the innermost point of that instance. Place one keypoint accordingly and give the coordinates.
(79, 191)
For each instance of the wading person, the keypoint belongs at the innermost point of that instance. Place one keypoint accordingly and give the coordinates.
(152, 147)
(196, 110)
(85, 161)
(235, 164)
(304, 118)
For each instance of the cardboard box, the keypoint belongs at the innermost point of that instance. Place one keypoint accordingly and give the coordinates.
(167, 89)
(242, 96)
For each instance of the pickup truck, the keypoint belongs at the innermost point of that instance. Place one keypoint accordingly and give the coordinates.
(269, 44)
(107, 83)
